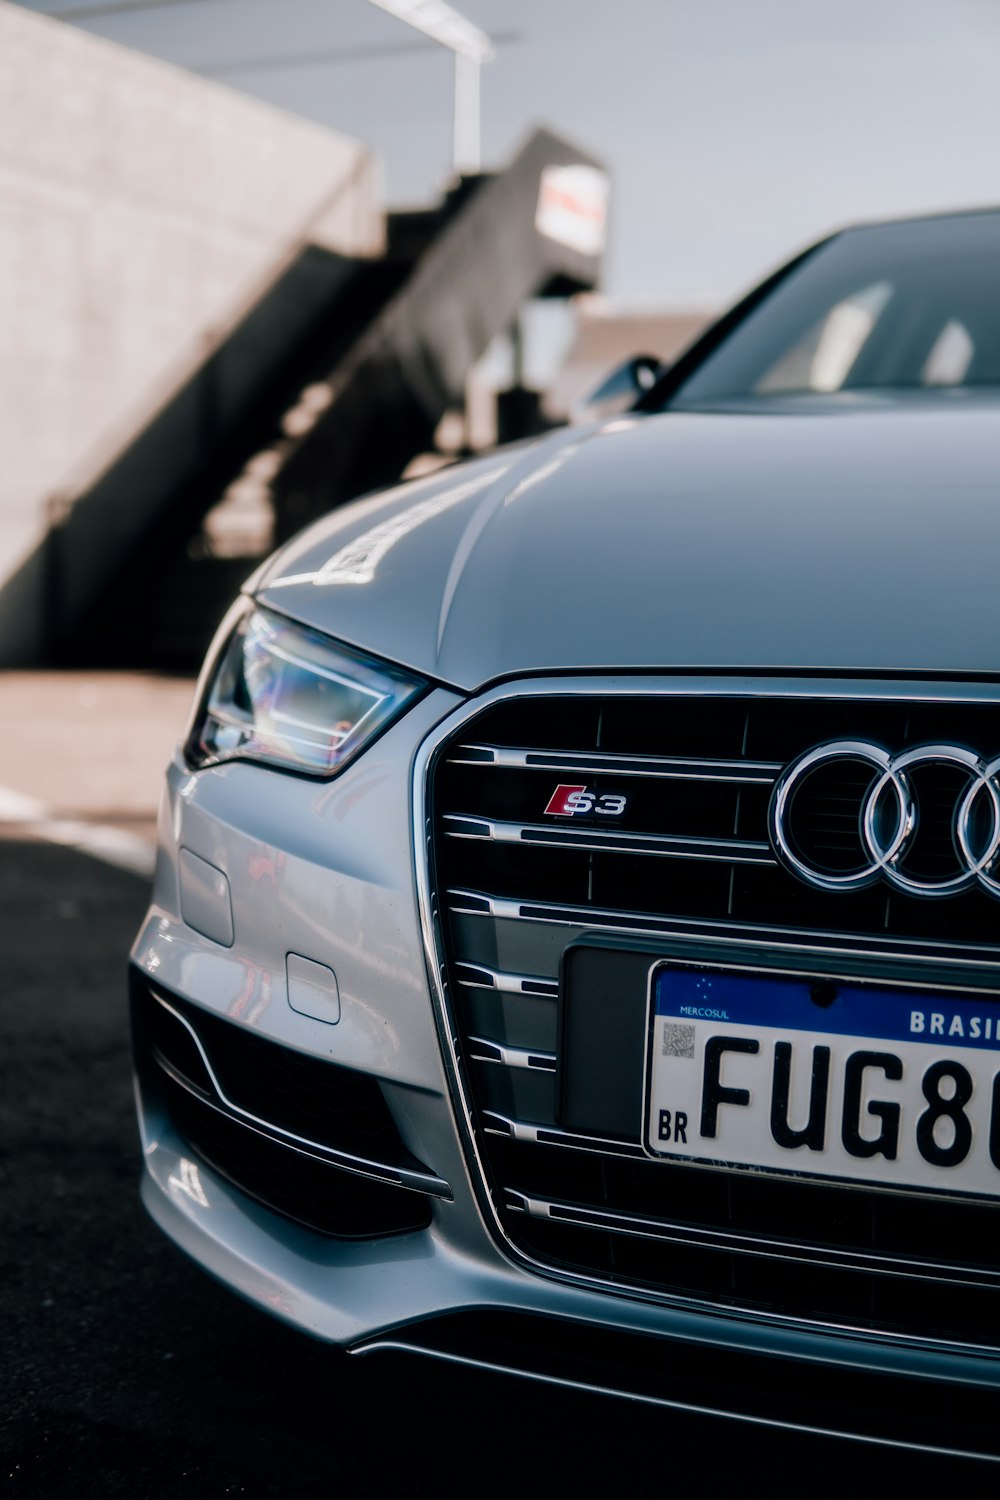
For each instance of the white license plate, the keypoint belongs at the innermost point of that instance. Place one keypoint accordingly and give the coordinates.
(819, 1078)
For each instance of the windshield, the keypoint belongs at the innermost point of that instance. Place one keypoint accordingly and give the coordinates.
(897, 307)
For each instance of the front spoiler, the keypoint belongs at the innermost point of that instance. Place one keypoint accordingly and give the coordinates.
(416, 1294)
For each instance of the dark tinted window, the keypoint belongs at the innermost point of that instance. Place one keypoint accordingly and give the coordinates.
(902, 307)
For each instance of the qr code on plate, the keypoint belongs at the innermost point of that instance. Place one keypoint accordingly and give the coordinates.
(678, 1041)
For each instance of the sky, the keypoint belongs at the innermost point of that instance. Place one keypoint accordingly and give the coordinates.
(736, 131)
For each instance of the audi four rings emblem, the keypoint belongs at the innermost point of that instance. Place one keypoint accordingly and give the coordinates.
(889, 818)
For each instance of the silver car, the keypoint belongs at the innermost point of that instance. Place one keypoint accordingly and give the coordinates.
(575, 945)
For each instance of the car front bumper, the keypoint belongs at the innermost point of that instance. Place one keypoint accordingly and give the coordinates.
(325, 871)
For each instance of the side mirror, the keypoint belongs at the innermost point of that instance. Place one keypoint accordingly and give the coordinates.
(619, 391)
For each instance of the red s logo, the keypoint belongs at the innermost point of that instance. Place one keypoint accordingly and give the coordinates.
(567, 800)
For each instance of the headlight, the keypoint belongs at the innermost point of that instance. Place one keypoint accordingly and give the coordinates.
(287, 696)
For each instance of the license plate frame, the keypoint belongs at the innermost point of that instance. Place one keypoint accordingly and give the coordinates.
(795, 1164)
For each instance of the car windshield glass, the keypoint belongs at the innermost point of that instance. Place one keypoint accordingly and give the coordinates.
(897, 307)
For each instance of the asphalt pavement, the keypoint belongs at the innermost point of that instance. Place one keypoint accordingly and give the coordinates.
(125, 1371)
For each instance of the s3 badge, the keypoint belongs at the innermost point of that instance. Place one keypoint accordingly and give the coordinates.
(566, 801)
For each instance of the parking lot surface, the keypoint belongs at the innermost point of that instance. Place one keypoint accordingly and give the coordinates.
(125, 1371)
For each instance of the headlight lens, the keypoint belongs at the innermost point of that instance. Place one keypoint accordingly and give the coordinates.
(288, 696)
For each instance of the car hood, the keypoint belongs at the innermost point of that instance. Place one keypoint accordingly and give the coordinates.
(859, 540)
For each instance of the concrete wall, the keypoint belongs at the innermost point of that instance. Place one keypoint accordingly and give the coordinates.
(143, 212)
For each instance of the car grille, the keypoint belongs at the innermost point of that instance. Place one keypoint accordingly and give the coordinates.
(689, 866)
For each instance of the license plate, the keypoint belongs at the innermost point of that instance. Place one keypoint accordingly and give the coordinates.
(814, 1077)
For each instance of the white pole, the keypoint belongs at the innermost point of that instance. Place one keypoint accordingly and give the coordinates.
(467, 141)
(472, 47)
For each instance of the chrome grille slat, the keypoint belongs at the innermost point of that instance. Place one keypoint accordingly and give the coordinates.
(548, 1135)
(639, 924)
(477, 976)
(494, 830)
(760, 772)
(583, 1217)
(485, 1049)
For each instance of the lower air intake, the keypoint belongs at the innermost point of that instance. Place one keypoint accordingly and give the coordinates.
(306, 1138)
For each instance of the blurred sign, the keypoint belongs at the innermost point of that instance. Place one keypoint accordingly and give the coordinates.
(573, 207)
